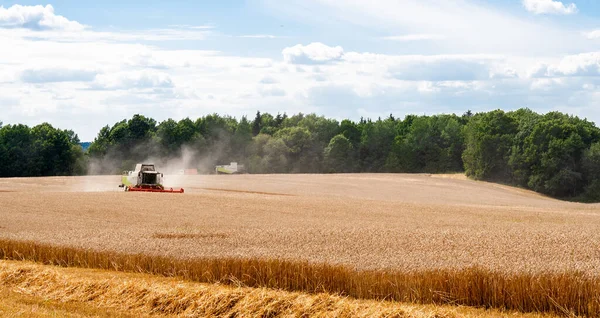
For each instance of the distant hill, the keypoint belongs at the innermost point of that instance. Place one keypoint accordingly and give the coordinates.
(85, 145)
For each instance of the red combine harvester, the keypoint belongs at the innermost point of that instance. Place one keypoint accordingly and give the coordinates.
(145, 178)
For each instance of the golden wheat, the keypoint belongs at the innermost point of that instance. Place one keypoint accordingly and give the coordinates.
(404, 237)
(567, 293)
(378, 222)
(76, 291)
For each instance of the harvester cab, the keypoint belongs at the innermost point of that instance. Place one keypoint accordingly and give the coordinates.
(145, 178)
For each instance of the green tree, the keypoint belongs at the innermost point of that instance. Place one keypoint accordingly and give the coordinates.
(101, 143)
(351, 131)
(554, 151)
(488, 142)
(520, 166)
(53, 151)
(276, 156)
(39, 151)
(321, 128)
(256, 153)
(339, 155)
(591, 170)
(431, 144)
(279, 119)
(167, 133)
(242, 137)
(141, 127)
(297, 141)
(376, 143)
(257, 124)
(552, 154)
(16, 151)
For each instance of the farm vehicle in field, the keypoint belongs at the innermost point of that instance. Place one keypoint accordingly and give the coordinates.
(233, 168)
(145, 178)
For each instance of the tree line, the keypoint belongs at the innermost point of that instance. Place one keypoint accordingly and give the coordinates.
(554, 153)
(39, 151)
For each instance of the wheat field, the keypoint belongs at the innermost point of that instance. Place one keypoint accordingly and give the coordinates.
(408, 227)
(45, 291)
(407, 222)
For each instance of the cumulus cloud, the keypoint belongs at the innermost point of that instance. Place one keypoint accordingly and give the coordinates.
(129, 80)
(52, 75)
(36, 18)
(314, 53)
(549, 7)
(586, 64)
(538, 70)
(546, 84)
(134, 77)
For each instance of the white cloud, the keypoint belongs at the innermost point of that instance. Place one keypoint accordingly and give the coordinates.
(170, 34)
(257, 63)
(443, 68)
(71, 32)
(271, 91)
(465, 26)
(538, 70)
(432, 67)
(155, 35)
(501, 72)
(147, 60)
(36, 18)
(314, 53)
(546, 84)
(135, 79)
(549, 7)
(592, 35)
(102, 77)
(53, 75)
(414, 37)
(585, 64)
(318, 78)
(269, 80)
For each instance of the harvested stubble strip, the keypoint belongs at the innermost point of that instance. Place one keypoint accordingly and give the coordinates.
(563, 293)
(142, 296)
(81, 292)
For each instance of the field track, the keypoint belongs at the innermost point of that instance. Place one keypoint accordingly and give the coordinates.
(365, 221)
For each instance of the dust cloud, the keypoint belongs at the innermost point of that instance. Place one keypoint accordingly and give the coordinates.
(172, 167)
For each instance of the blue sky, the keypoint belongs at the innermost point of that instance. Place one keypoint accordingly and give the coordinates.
(84, 64)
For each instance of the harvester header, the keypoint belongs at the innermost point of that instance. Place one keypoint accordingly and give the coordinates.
(145, 178)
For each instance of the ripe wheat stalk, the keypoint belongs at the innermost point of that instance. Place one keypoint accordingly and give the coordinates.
(570, 293)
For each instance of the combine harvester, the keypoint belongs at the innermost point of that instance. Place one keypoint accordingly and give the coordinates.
(233, 168)
(145, 179)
